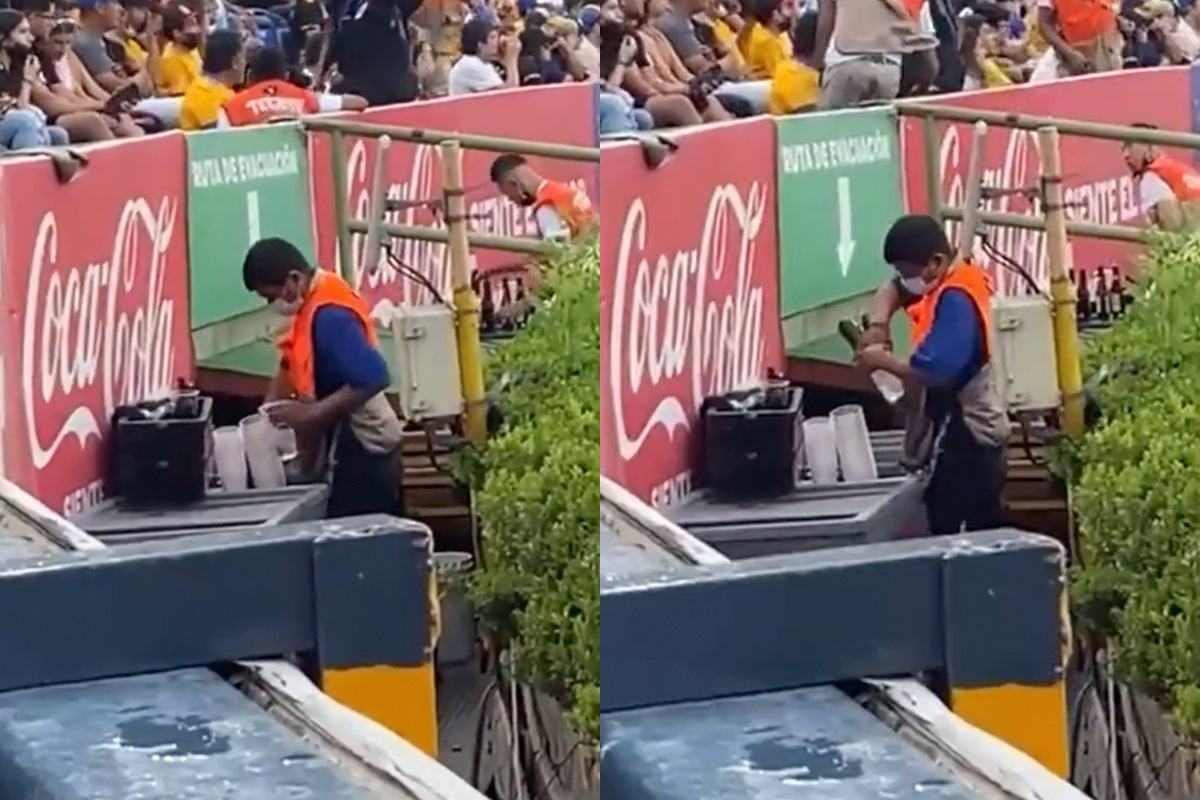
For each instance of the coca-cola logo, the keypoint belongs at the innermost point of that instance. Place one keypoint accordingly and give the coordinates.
(1018, 170)
(688, 324)
(103, 323)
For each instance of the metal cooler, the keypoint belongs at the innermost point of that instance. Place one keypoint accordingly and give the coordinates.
(218, 511)
(811, 517)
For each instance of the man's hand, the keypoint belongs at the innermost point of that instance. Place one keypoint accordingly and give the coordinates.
(873, 357)
(296, 414)
(1074, 61)
(876, 334)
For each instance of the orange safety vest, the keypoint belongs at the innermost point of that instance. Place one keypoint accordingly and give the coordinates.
(267, 101)
(1182, 180)
(571, 205)
(295, 343)
(969, 278)
(913, 7)
(1082, 21)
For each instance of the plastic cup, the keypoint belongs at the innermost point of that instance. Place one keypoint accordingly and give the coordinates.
(260, 438)
(853, 444)
(285, 437)
(820, 450)
(230, 457)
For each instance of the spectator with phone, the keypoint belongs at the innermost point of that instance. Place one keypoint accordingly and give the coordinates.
(484, 54)
(22, 124)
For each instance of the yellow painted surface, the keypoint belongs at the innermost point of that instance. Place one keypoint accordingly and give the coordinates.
(1031, 718)
(401, 699)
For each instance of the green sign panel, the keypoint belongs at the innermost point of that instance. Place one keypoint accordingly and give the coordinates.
(243, 185)
(839, 191)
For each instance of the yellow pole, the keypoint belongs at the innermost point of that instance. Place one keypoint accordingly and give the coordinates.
(1062, 293)
(466, 302)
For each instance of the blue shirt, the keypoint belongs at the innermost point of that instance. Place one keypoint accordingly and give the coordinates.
(952, 352)
(343, 355)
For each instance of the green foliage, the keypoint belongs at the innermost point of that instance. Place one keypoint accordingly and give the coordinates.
(1137, 486)
(537, 492)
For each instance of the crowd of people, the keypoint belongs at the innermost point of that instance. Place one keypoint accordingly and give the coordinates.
(91, 70)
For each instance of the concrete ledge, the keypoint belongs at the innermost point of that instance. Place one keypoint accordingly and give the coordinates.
(955, 604)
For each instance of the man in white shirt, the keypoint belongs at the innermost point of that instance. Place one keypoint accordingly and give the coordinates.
(482, 49)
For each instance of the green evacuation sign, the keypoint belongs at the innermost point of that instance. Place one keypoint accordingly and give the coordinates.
(243, 185)
(839, 192)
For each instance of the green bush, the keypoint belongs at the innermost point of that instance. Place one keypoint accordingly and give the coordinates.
(1136, 482)
(537, 492)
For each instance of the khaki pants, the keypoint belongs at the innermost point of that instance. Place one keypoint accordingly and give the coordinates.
(1102, 54)
(860, 80)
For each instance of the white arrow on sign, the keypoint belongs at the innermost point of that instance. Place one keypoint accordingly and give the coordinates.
(845, 245)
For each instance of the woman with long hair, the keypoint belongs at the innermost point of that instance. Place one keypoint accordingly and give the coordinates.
(22, 124)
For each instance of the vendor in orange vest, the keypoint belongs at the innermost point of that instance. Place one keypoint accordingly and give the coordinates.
(1168, 190)
(331, 380)
(560, 210)
(1083, 36)
(957, 424)
(269, 96)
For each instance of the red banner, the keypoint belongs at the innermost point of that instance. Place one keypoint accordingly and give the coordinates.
(95, 298)
(559, 114)
(1097, 185)
(689, 295)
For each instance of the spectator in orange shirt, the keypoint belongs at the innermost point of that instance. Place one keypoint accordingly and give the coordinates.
(269, 96)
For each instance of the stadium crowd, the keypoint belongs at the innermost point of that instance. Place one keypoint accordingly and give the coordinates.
(91, 70)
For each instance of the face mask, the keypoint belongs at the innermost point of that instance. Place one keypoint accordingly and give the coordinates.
(915, 286)
(286, 308)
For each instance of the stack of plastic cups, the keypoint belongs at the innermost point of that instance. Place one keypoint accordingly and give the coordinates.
(854, 444)
(260, 439)
(230, 457)
(820, 450)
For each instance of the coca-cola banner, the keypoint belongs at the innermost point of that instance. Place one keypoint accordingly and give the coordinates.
(95, 298)
(558, 114)
(1097, 185)
(689, 295)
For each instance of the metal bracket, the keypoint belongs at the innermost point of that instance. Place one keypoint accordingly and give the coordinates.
(352, 592)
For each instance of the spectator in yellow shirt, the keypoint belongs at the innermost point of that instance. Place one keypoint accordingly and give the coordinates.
(224, 68)
(768, 51)
(179, 65)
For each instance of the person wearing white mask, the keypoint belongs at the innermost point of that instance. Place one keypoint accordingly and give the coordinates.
(330, 381)
(957, 424)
